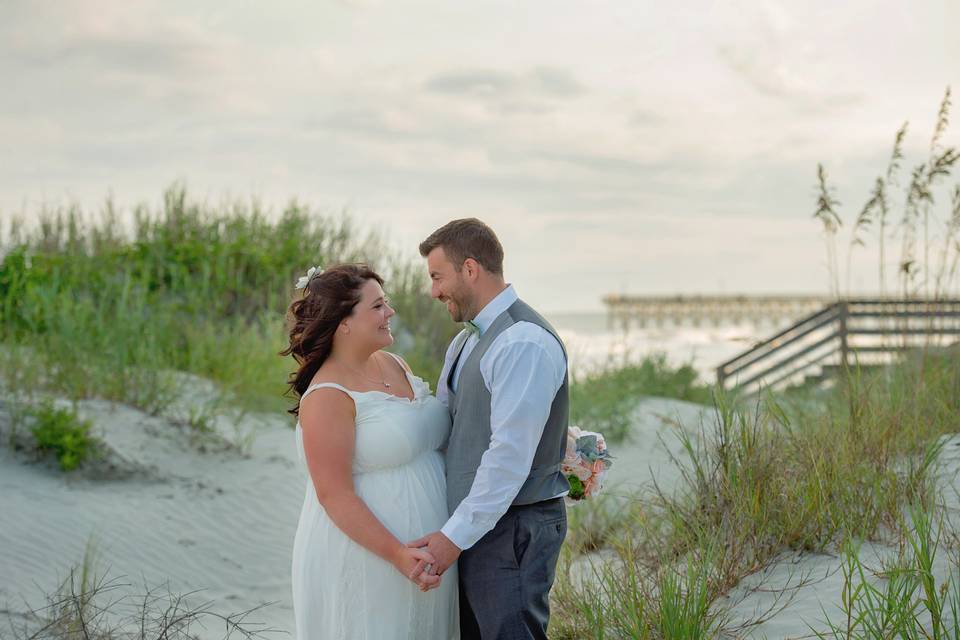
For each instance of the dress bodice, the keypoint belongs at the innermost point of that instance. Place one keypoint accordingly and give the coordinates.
(391, 431)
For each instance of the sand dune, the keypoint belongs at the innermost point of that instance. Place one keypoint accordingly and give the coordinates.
(788, 598)
(221, 522)
(162, 511)
(810, 585)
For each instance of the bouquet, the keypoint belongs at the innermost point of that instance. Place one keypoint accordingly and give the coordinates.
(585, 463)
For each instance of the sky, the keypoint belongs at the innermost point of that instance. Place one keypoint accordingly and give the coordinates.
(615, 147)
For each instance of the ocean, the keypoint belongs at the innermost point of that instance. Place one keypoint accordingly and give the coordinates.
(592, 343)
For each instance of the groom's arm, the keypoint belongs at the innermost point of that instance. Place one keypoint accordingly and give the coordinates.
(523, 375)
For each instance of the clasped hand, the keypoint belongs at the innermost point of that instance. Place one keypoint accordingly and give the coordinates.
(439, 553)
(412, 563)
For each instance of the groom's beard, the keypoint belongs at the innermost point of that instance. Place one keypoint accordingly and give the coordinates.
(456, 311)
(460, 309)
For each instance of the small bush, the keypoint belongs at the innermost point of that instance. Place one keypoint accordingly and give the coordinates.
(63, 433)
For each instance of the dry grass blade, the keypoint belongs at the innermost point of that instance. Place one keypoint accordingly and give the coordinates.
(91, 607)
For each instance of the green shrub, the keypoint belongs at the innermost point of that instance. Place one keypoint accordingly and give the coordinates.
(909, 603)
(63, 433)
(604, 400)
(105, 311)
(772, 477)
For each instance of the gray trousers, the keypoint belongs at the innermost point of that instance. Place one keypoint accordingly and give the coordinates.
(505, 578)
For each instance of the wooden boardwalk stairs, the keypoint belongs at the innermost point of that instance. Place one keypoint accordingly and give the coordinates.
(848, 332)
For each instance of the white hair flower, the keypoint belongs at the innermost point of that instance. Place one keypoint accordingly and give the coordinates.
(305, 280)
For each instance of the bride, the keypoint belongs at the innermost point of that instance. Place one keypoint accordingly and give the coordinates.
(370, 433)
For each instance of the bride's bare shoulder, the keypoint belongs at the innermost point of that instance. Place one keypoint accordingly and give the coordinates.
(326, 399)
(391, 357)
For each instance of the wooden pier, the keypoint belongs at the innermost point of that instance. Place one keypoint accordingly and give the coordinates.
(624, 311)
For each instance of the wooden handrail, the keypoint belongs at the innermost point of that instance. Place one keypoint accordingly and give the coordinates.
(793, 357)
(902, 314)
(902, 301)
(772, 342)
(792, 372)
(913, 331)
(838, 314)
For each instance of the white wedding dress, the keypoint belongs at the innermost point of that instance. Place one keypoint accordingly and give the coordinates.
(342, 590)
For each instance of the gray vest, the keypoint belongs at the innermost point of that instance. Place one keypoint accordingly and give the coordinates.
(470, 410)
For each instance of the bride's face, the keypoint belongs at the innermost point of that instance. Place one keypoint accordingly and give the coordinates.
(447, 286)
(369, 322)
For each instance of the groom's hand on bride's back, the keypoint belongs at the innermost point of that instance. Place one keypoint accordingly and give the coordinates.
(444, 552)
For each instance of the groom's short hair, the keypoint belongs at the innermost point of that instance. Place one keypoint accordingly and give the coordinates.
(467, 238)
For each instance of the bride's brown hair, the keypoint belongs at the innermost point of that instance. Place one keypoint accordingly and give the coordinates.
(313, 318)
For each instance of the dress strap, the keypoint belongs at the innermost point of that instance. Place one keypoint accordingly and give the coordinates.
(399, 360)
(329, 385)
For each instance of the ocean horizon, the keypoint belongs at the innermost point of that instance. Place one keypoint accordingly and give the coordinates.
(592, 343)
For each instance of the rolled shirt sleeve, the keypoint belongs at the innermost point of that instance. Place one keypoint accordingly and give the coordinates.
(523, 370)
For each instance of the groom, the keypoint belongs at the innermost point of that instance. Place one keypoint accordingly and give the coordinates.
(504, 381)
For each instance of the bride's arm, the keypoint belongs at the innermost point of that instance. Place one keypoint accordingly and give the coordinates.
(327, 417)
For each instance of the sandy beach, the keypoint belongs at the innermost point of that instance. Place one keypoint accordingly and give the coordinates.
(159, 511)
(222, 521)
(792, 595)
(788, 598)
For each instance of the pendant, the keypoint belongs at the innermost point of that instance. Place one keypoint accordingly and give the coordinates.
(386, 384)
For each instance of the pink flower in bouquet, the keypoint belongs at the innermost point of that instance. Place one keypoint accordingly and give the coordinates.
(585, 463)
(582, 471)
(573, 463)
(593, 483)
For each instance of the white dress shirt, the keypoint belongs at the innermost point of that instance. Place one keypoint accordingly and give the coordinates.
(523, 370)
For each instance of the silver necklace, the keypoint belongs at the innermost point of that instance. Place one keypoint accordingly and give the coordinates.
(362, 374)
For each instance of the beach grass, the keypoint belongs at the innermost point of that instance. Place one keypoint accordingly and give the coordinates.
(910, 602)
(927, 227)
(765, 477)
(93, 308)
(604, 399)
(90, 604)
(111, 306)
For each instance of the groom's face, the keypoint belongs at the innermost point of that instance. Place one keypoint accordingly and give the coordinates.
(449, 287)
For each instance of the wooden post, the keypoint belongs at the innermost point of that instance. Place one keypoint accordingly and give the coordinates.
(844, 346)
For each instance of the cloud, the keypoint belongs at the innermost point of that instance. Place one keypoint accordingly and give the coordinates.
(767, 73)
(106, 63)
(156, 54)
(642, 118)
(108, 37)
(364, 120)
(541, 82)
(688, 115)
(775, 51)
(359, 4)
